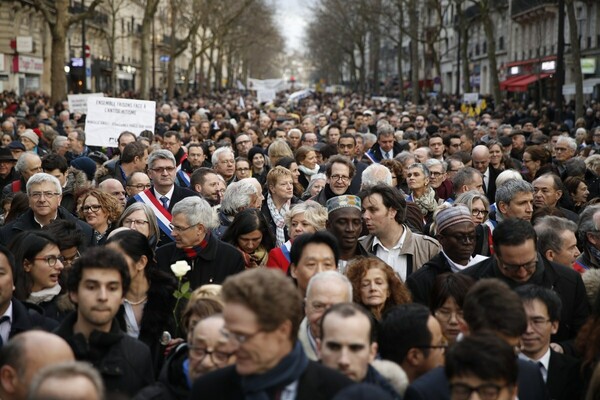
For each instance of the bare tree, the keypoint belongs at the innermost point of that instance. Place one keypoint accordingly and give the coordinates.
(576, 57)
(114, 8)
(150, 8)
(59, 19)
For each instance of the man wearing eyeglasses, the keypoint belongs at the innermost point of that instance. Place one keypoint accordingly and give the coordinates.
(137, 182)
(559, 371)
(44, 192)
(340, 171)
(211, 260)
(243, 144)
(164, 194)
(262, 315)
(517, 262)
(347, 147)
(172, 142)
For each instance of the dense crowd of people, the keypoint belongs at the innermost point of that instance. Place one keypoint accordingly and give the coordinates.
(336, 248)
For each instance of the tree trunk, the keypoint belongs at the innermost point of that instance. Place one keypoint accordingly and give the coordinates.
(172, 49)
(491, 47)
(59, 42)
(149, 12)
(464, 41)
(576, 57)
(413, 26)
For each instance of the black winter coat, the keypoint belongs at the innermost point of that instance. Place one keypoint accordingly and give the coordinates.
(172, 382)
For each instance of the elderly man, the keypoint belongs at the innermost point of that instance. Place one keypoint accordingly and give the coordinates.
(339, 171)
(27, 165)
(517, 262)
(374, 174)
(438, 179)
(384, 212)
(45, 193)
(136, 183)
(456, 234)
(243, 144)
(262, 326)
(211, 260)
(556, 239)
(164, 194)
(564, 150)
(588, 232)
(7, 168)
(481, 161)
(238, 197)
(223, 161)
(548, 189)
(344, 222)
(324, 290)
(26, 354)
(114, 187)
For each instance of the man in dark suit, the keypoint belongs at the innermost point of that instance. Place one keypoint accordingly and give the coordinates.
(517, 262)
(560, 371)
(163, 194)
(489, 307)
(263, 310)
(481, 161)
(347, 147)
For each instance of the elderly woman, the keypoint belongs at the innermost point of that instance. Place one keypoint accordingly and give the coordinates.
(292, 165)
(141, 218)
(447, 297)
(479, 206)
(376, 286)
(39, 265)
(316, 184)
(307, 217)
(100, 210)
(280, 198)
(421, 192)
(306, 157)
(250, 233)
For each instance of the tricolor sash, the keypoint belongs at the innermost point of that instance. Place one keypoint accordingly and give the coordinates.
(163, 216)
(183, 176)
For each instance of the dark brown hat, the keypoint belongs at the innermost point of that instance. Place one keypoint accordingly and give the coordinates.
(6, 155)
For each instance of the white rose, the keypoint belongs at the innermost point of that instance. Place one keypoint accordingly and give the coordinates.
(180, 268)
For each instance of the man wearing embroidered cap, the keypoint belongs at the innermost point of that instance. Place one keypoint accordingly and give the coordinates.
(344, 222)
(456, 233)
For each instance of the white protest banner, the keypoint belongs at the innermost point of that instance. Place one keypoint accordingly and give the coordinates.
(78, 102)
(265, 95)
(470, 98)
(107, 117)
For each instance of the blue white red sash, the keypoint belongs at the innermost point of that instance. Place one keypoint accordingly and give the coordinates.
(163, 216)
(183, 176)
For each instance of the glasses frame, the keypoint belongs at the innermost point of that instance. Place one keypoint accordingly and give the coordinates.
(195, 350)
(239, 337)
(48, 258)
(91, 208)
(175, 228)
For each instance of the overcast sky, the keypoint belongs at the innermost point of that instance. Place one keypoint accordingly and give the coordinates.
(293, 16)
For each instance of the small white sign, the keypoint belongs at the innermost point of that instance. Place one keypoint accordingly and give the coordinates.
(470, 98)
(78, 102)
(1, 62)
(107, 117)
(24, 44)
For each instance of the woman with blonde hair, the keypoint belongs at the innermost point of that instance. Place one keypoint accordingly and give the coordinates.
(307, 217)
(101, 211)
(279, 149)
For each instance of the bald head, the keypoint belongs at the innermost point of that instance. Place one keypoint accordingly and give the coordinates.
(24, 355)
(115, 188)
(481, 158)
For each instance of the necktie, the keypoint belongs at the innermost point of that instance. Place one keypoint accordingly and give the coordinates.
(3, 319)
(165, 201)
(542, 370)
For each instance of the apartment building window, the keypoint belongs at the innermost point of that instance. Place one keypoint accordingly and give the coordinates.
(501, 43)
(484, 50)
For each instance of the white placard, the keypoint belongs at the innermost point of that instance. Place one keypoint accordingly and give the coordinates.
(78, 102)
(470, 98)
(1, 62)
(265, 95)
(24, 44)
(107, 117)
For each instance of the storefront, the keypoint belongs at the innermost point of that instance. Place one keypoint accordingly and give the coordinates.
(27, 72)
(532, 78)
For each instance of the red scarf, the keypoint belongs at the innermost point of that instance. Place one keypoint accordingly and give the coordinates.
(192, 252)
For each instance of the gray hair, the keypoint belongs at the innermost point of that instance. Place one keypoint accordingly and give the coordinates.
(469, 197)
(506, 192)
(197, 211)
(139, 206)
(21, 164)
(507, 175)
(314, 213)
(221, 150)
(237, 197)
(329, 276)
(66, 370)
(368, 137)
(569, 141)
(58, 142)
(42, 177)
(434, 161)
(313, 181)
(422, 167)
(374, 174)
(586, 222)
(385, 129)
(549, 229)
(80, 135)
(160, 155)
(405, 156)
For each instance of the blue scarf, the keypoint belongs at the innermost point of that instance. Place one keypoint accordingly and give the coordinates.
(289, 369)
